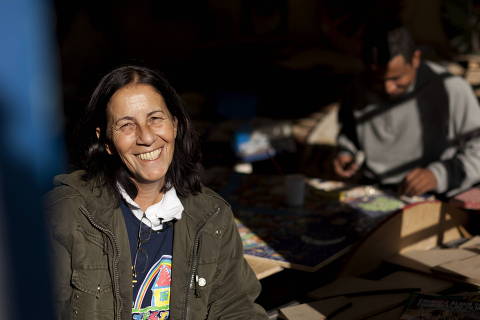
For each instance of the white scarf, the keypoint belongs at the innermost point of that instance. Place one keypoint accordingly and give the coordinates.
(167, 209)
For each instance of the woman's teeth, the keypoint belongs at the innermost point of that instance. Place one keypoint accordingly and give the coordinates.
(152, 155)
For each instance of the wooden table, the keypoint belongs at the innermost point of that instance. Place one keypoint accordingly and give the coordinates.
(306, 238)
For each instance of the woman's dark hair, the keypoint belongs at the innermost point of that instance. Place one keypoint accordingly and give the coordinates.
(105, 169)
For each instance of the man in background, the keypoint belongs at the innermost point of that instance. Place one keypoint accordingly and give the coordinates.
(414, 125)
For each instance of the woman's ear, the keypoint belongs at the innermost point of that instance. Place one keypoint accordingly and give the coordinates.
(107, 147)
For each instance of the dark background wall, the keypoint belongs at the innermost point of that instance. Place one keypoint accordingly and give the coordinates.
(293, 56)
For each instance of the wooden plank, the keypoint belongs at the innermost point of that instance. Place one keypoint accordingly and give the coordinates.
(419, 226)
(393, 314)
(317, 310)
(397, 281)
(343, 286)
(467, 270)
(429, 224)
(368, 306)
(341, 308)
(426, 283)
(263, 267)
(425, 260)
(472, 243)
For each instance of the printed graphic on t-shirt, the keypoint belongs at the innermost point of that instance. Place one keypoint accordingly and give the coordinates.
(158, 281)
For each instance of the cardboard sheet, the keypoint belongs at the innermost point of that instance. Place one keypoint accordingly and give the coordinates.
(424, 260)
(318, 310)
(467, 270)
(472, 243)
(368, 306)
(351, 286)
(426, 283)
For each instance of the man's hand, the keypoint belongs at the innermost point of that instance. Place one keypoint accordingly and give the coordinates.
(344, 165)
(418, 181)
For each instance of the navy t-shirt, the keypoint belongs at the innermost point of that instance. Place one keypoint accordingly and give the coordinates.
(151, 292)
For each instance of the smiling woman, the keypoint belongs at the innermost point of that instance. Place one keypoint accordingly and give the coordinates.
(142, 132)
(135, 235)
(136, 109)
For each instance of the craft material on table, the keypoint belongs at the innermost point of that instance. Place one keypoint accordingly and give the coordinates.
(306, 237)
(346, 193)
(377, 205)
(302, 242)
(469, 199)
(422, 306)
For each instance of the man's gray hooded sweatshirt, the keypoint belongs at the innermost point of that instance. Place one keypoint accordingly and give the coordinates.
(434, 125)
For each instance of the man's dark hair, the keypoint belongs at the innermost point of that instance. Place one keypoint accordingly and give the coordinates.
(105, 169)
(381, 45)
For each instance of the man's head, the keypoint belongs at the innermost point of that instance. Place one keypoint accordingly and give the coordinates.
(392, 59)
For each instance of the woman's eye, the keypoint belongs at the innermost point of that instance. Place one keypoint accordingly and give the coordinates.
(126, 127)
(156, 119)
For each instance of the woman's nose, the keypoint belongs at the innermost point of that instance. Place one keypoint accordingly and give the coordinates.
(145, 135)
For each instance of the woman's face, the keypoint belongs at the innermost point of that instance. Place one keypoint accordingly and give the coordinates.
(142, 132)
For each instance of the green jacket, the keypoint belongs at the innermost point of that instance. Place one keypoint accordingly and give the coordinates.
(93, 262)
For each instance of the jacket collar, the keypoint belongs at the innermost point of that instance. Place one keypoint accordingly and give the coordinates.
(99, 201)
(197, 209)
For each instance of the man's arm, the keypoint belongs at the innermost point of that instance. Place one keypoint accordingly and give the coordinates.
(460, 164)
(347, 139)
(344, 163)
(418, 181)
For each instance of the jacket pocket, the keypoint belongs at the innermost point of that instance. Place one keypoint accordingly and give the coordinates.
(92, 296)
(88, 251)
(93, 237)
(210, 242)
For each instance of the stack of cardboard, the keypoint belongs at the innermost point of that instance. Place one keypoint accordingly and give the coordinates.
(459, 264)
(356, 298)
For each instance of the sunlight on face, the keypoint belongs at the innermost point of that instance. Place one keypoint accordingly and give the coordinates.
(399, 76)
(142, 132)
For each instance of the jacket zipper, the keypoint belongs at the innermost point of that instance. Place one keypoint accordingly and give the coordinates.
(194, 266)
(115, 259)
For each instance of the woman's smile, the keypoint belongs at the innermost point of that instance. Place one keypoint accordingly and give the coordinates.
(151, 155)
